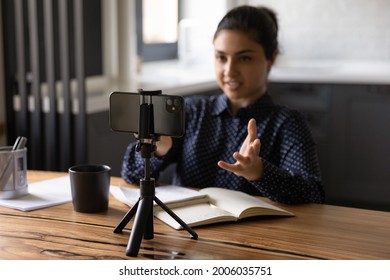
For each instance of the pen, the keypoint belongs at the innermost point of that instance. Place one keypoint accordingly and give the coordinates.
(20, 143)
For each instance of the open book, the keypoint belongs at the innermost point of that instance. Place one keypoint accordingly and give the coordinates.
(206, 206)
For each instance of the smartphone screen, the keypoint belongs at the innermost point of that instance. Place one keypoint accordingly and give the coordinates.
(168, 112)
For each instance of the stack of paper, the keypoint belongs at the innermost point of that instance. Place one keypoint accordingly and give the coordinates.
(42, 194)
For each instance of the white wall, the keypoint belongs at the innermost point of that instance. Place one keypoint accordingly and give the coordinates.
(196, 29)
(336, 30)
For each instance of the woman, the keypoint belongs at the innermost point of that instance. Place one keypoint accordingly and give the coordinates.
(240, 139)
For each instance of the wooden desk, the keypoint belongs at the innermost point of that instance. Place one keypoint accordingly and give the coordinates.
(317, 232)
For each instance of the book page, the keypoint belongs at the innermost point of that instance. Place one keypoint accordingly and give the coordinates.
(241, 204)
(195, 215)
(172, 196)
(207, 206)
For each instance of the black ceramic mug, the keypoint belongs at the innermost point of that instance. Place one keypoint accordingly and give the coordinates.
(90, 186)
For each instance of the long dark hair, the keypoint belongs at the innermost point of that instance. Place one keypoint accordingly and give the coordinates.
(260, 23)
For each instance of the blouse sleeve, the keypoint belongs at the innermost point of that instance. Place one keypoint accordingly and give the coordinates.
(133, 165)
(295, 176)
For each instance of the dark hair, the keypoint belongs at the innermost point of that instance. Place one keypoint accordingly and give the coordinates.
(260, 23)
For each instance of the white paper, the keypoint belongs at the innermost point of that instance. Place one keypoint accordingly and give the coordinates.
(41, 195)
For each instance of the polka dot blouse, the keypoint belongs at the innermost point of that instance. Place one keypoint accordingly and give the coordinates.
(291, 169)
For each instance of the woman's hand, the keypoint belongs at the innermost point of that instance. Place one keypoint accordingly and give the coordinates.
(163, 146)
(248, 162)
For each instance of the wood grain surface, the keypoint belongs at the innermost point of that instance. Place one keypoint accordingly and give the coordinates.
(316, 232)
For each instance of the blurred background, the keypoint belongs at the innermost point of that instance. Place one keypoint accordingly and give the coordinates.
(60, 59)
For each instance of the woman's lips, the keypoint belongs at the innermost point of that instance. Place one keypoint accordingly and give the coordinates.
(232, 85)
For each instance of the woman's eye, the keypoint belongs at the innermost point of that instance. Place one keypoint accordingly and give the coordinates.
(245, 58)
(220, 58)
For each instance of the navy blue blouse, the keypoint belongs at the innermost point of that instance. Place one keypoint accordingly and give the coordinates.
(291, 168)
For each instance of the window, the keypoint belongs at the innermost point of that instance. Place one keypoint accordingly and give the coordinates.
(157, 29)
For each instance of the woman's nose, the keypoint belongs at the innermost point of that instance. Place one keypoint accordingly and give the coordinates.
(230, 68)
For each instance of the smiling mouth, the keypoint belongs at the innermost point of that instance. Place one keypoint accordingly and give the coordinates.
(232, 85)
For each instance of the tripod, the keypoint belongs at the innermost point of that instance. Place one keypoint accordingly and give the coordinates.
(143, 209)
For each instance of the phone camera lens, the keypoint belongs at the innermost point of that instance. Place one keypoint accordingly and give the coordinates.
(173, 105)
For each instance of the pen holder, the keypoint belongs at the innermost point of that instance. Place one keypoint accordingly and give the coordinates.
(13, 172)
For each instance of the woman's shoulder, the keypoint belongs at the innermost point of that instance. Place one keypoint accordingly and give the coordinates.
(289, 112)
(292, 121)
(266, 105)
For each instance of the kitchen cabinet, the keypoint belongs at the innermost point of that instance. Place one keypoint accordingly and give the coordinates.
(104, 145)
(351, 126)
(361, 146)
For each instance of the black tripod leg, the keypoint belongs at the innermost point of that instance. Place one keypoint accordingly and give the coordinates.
(149, 227)
(173, 215)
(126, 219)
(139, 226)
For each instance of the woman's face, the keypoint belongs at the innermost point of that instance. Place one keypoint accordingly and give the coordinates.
(241, 68)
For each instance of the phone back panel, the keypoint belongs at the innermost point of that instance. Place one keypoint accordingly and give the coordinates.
(124, 113)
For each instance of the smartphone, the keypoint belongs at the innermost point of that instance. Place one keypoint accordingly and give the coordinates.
(168, 112)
